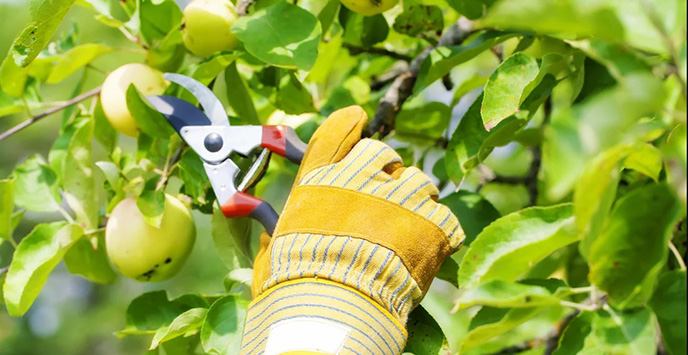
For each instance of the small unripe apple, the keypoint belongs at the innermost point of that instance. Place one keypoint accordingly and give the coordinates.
(207, 25)
(113, 95)
(143, 252)
(369, 7)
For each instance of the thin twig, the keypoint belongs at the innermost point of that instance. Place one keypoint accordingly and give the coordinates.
(242, 7)
(94, 231)
(169, 166)
(49, 112)
(66, 215)
(131, 37)
(578, 306)
(677, 254)
(387, 78)
(355, 50)
(402, 87)
(579, 290)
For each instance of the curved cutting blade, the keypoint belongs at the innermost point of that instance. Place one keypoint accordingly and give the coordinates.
(210, 103)
(178, 112)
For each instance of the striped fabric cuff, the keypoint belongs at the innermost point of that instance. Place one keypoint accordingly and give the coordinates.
(371, 269)
(360, 326)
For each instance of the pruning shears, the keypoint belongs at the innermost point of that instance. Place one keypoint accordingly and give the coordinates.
(211, 136)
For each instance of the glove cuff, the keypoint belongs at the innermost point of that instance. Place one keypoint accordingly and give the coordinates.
(320, 316)
(371, 269)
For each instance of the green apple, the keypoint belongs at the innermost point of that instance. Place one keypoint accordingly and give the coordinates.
(369, 7)
(143, 252)
(113, 95)
(207, 26)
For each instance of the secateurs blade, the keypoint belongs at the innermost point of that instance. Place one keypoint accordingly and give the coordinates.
(211, 136)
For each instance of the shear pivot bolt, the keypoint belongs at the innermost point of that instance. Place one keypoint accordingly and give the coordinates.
(213, 142)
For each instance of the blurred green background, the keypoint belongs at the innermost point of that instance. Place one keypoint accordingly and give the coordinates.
(71, 314)
(75, 316)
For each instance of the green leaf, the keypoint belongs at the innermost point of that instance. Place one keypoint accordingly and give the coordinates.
(420, 20)
(35, 257)
(327, 15)
(6, 208)
(283, 90)
(596, 189)
(186, 323)
(88, 258)
(103, 130)
(46, 16)
(475, 211)
(36, 186)
(224, 324)
(505, 88)
(148, 119)
(363, 31)
(231, 237)
(669, 304)
(505, 294)
(435, 118)
(490, 322)
(467, 86)
(577, 134)
(472, 9)
(152, 311)
(167, 54)
(70, 157)
(239, 97)
(509, 246)
(647, 160)
(425, 335)
(16, 218)
(12, 77)
(111, 172)
(596, 192)
(602, 332)
(449, 271)
(624, 262)
(283, 35)
(75, 59)
(442, 60)
(239, 280)
(9, 105)
(158, 18)
(465, 142)
(521, 335)
(618, 59)
(208, 70)
(608, 20)
(103, 8)
(193, 175)
(151, 203)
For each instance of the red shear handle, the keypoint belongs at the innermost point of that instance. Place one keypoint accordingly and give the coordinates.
(283, 141)
(244, 205)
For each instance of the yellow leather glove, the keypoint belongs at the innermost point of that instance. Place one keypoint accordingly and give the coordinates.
(356, 248)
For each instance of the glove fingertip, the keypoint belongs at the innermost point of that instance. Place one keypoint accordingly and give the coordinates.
(333, 140)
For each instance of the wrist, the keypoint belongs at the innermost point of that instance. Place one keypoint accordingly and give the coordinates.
(371, 269)
(320, 316)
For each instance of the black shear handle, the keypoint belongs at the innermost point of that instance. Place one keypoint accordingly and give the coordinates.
(283, 140)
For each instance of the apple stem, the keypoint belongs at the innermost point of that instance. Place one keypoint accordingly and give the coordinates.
(678, 256)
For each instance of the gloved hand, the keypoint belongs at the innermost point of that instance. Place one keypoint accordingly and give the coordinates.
(356, 248)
